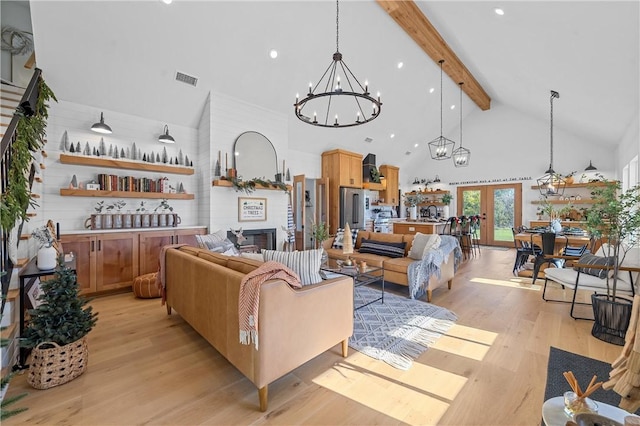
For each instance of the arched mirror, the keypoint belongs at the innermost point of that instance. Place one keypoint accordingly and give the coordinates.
(254, 157)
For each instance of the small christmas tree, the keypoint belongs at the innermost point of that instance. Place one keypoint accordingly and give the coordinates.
(61, 316)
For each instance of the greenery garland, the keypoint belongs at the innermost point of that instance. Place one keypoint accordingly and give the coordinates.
(248, 186)
(30, 133)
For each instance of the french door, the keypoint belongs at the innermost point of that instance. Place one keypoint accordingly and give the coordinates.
(499, 206)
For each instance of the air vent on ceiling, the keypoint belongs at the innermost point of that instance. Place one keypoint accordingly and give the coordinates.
(186, 78)
(368, 139)
(407, 153)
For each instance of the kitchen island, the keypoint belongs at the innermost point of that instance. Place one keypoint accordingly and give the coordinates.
(413, 227)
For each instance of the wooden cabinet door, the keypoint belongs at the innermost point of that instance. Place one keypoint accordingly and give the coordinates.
(188, 236)
(150, 245)
(355, 171)
(390, 194)
(84, 249)
(117, 260)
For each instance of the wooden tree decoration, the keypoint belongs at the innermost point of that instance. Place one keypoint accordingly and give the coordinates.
(347, 241)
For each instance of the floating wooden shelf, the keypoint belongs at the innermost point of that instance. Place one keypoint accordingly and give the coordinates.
(582, 201)
(577, 185)
(228, 184)
(437, 192)
(374, 186)
(124, 164)
(66, 192)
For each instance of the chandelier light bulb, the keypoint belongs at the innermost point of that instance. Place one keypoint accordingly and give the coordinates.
(358, 116)
(366, 87)
(315, 117)
(336, 122)
(310, 87)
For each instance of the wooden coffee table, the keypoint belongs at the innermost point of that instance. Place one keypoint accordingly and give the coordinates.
(369, 275)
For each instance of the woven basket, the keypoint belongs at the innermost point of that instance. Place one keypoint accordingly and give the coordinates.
(58, 365)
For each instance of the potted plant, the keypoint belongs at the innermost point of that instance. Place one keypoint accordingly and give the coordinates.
(319, 233)
(568, 178)
(615, 218)
(57, 330)
(47, 254)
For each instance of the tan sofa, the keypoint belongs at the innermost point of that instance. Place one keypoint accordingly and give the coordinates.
(295, 325)
(395, 269)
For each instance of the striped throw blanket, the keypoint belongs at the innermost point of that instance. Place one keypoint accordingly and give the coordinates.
(249, 299)
(420, 272)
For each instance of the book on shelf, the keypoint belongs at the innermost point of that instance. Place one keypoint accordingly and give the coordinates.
(109, 182)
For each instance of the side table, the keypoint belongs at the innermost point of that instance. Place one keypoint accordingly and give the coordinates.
(28, 276)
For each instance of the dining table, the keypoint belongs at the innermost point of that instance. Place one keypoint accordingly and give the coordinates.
(561, 241)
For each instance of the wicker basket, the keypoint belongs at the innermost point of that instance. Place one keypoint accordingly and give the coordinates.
(58, 365)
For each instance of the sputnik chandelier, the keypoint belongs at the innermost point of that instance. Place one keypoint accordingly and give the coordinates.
(337, 99)
(551, 183)
(441, 147)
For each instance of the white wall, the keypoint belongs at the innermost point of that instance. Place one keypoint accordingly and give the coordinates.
(629, 146)
(506, 144)
(77, 119)
(15, 14)
(231, 117)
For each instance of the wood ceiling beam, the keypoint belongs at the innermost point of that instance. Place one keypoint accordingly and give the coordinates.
(411, 19)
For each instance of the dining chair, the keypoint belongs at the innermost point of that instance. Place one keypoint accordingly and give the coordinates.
(524, 250)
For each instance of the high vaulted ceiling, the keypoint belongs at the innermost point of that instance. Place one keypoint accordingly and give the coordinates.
(123, 56)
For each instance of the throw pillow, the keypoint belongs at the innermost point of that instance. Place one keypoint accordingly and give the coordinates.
(382, 248)
(304, 263)
(590, 259)
(225, 246)
(339, 239)
(205, 240)
(422, 243)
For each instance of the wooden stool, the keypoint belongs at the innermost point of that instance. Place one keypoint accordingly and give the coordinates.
(145, 286)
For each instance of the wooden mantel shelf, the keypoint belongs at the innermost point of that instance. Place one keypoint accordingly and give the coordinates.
(67, 192)
(578, 185)
(83, 160)
(228, 184)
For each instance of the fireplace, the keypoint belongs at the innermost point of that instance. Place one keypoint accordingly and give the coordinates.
(265, 239)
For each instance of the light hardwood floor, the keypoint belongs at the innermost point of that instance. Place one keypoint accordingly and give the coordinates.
(490, 369)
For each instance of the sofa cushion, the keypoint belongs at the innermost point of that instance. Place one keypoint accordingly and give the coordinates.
(591, 259)
(422, 243)
(194, 251)
(371, 259)
(567, 277)
(217, 258)
(305, 263)
(400, 264)
(242, 264)
(383, 248)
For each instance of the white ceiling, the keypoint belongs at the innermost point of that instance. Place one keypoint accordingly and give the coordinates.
(123, 56)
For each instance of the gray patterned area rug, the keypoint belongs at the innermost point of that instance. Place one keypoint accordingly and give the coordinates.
(398, 330)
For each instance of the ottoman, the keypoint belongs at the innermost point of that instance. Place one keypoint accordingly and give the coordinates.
(145, 286)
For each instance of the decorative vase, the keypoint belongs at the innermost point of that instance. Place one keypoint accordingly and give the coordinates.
(324, 257)
(445, 212)
(413, 212)
(47, 258)
(162, 220)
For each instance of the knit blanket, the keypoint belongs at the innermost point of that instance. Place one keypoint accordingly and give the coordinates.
(249, 298)
(420, 271)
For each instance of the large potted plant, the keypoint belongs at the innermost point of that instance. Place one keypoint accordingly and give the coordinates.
(57, 331)
(615, 218)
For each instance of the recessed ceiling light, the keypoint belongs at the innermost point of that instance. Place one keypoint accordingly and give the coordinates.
(432, 90)
(273, 53)
(392, 135)
(415, 145)
(400, 64)
(498, 11)
(453, 107)
(167, 1)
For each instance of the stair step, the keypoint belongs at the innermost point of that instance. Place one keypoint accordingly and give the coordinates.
(8, 332)
(38, 179)
(12, 90)
(25, 236)
(6, 115)
(13, 294)
(21, 262)
(32, 214)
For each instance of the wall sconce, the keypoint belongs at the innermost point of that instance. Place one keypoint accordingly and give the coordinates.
(590, 167)
(101, 127)
(166, 137)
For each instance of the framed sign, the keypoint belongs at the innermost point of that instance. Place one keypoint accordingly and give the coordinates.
(252, 209)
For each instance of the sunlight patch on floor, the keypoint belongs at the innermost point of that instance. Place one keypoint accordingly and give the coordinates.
(468, 342)
(524, 284)
(422, 391)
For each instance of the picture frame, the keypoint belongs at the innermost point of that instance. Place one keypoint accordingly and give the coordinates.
(32, 292)
(251, 209)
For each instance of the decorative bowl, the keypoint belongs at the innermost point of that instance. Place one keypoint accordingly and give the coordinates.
(592, 419)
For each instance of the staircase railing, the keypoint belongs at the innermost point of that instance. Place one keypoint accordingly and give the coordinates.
(27, 107)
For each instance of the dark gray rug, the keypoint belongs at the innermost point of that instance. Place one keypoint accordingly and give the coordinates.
(398, 330)
(583, 368)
